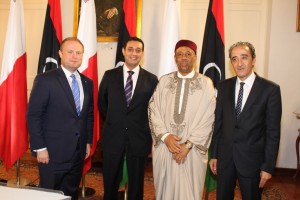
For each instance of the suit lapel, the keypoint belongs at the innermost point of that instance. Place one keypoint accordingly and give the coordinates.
(66, 87)
(120, 84)
(138, 87)
(232, 96)
(85, 92)
(253, 95)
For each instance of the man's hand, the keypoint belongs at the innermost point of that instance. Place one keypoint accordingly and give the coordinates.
(172, 143)
(264, 177)
(43, 156)
(88, 151)
(109, 13)
(181, 157)
(213, 166)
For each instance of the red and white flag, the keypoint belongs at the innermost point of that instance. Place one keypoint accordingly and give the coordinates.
(87, 34)
(13, 89)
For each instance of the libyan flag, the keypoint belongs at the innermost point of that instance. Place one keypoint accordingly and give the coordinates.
(212, 62)
(128, 27)
(52, 38)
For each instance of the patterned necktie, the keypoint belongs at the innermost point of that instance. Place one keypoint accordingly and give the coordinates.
(76, 93)
(128, 88)
(238, 108)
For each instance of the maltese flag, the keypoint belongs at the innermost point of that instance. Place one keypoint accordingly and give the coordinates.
(87, 34)
(13, 89)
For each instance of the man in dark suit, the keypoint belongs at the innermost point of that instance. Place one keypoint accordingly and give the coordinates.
(247, 128)
(61, 124)
(124, 94)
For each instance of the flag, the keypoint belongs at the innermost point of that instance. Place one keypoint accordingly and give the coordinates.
(13, 89)
(52, 38)
(128, 27)
(212, 62)
(169, 38)
(87, 34)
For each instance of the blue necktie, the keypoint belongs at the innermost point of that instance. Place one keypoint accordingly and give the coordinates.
(128, 88)
(238, 108)
(76, 93)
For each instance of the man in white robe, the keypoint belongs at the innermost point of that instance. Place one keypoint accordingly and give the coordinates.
(181, 116)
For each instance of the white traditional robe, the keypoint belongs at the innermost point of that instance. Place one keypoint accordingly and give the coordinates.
(174, 181)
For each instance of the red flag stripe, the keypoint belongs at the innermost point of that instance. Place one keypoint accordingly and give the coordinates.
(91, 72)
(13, 104)
(217, 10)
(130, 16)
(55, 15)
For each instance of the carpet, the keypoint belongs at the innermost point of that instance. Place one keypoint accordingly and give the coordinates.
(94, 183)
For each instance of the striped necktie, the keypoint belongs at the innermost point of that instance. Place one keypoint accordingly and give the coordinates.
(238, 108)
(76, 93)
(128, 88)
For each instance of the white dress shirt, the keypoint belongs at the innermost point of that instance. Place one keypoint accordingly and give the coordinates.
(247, 88)
(135, 76)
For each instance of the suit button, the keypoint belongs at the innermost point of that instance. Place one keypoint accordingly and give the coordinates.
(77, 134)
(126, 129)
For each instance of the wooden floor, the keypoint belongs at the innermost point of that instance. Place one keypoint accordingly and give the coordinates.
(283, 179)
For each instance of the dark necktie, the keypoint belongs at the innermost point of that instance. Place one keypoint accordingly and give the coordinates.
(76, 93)
(238, 108)
(128, 87)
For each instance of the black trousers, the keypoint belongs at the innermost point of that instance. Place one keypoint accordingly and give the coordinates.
(226, 182)
(113, 171)
(65, 177)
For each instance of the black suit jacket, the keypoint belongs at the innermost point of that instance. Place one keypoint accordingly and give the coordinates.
(52, 118)
(252, 141)
(120, 120)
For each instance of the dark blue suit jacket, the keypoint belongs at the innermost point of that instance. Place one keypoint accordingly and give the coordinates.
(119, 119)
(52, 118)
(252, 141)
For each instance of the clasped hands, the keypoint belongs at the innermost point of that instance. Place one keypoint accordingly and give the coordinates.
(178, 150)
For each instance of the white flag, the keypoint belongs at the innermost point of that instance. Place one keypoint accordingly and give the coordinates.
(170, 36)
(87, 34)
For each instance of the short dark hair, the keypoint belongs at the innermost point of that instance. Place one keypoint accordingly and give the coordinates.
(247, 44)
(134, 39)
(75, 39)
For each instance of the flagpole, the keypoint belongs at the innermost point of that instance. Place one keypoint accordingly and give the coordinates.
(18, 181)
(126, 191)
(86, 191)
(18, 172)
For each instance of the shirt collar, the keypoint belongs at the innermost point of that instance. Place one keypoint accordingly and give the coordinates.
(135, 70)
(189, 75)
(249, 81)
(68, 73)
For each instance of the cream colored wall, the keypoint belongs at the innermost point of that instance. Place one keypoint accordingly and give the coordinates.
(268, 24)
(284, 69)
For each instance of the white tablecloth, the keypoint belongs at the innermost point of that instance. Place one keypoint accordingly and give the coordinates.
(29, 193)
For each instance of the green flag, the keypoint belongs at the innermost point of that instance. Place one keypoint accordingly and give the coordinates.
(210, 179)
(125, 175)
